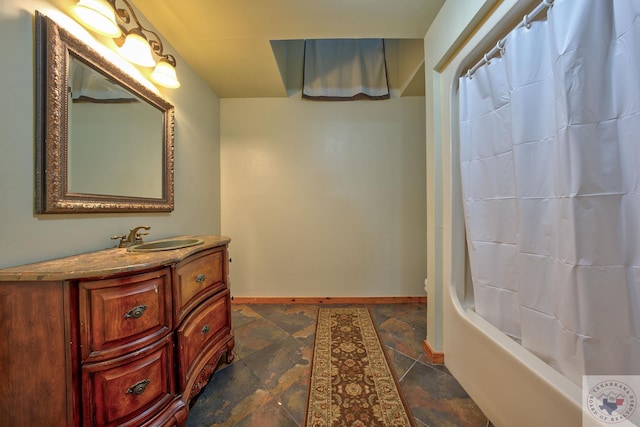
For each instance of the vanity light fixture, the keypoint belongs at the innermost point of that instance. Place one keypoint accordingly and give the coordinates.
(137, 44)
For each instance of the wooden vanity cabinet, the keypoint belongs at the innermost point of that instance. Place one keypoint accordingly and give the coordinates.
(113, 338)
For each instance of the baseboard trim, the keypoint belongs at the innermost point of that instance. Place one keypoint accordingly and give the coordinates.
(327, 300)
(435, 357)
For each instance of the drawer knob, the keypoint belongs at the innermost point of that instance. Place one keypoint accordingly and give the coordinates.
(200, 278)
(135, 312)
(138, 388)
(205, 329)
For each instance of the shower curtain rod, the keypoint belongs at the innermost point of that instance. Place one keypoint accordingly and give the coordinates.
(499, 47)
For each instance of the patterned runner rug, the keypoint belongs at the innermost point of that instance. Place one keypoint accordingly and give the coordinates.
(352, 383)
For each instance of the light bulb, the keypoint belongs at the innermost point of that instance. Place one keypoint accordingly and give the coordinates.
(164, 74)
(136, 49)
(99, 16)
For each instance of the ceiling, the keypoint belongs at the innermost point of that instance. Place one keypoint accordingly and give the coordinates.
(254, 48)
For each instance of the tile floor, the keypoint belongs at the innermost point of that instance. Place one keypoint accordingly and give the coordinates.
(266, 385)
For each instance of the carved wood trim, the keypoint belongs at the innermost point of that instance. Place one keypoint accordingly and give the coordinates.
(202, 379)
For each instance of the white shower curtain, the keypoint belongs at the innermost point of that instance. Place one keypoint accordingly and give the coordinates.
(550, 159)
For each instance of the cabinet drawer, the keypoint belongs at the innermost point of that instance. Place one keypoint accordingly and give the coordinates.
(203, 328)
(128, 390)
(122, 314)
(197, 278)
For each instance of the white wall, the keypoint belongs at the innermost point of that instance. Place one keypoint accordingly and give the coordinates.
(324, 199)
(26, 237)
(456, 20)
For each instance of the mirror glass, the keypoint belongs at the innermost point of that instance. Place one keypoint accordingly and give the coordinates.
(114, 137)
(104, 141)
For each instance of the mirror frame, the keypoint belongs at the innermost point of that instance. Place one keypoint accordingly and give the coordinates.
(54, 45)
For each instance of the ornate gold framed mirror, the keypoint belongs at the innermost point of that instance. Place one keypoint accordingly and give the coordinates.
(104, 141)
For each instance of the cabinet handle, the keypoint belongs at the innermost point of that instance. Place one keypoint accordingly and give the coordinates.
(205, 329)
(200, 278)
(135, 312)
(138, 388)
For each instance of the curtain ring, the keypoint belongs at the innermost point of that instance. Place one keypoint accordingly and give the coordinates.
(548, 3)
(500, 47)
(486, 59)
(525, 22)
(468, 74)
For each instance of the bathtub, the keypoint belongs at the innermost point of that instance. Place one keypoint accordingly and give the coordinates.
(512, 386)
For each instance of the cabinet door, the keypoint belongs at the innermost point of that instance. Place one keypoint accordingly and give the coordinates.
(37, 350)
(204, 328)
(129, 390)
(123, 314)
(197, 278)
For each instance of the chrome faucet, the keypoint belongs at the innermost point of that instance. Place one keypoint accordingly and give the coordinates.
(133, 238)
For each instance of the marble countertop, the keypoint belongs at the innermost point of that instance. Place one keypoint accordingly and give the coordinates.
(106, 262)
